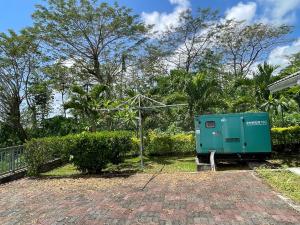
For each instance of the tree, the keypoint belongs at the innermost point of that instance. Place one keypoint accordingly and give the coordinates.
(203, 95)
(256, 87)
(39, 97)
(91, 35)
(210, 63)
(278, 106)
(61, 79)
(18, 54)
(262, 80)
(176, 82)
(145, 69)
(187, 43)
(85, 105)
(8, 136)
(243, 45)
(293, 67)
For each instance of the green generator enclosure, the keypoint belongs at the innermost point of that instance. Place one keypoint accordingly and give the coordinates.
(242, 136)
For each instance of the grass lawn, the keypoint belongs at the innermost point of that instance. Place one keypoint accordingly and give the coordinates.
(66, 170)
(283, 181)
(170, 164)
(132, 165)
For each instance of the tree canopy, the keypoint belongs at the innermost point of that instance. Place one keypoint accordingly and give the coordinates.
(81, 56)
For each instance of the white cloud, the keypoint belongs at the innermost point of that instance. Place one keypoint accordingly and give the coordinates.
(162, 20)
(184, 3)
(57, 107)
(279, 11)
(275, 12)
(242, 12)
(280, 55)
(69, 63)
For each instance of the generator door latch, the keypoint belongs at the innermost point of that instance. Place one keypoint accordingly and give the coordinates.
(245, 143)
(216, 133)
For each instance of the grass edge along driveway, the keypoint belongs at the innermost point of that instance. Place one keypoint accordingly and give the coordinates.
(282, 181)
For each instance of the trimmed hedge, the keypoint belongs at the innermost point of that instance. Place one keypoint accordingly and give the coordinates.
(286, 135)
(286, 138)
(42, 150)
(90, 152)
(168, 144)
(135, 151)
(93, 151)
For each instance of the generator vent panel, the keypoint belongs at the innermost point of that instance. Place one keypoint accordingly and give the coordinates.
(232, 139)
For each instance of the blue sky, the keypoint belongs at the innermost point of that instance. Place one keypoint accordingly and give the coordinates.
(16, 14)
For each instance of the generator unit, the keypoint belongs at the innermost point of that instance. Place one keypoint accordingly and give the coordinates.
(241, 136)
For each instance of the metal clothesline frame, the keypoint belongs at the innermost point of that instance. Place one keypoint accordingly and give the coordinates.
(138, 101)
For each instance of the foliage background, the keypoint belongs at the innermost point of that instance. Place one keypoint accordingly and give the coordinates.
(97, 55)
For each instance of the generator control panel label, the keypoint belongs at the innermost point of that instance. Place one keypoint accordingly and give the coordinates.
(257, 123)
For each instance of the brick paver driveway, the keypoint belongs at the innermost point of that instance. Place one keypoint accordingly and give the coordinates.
(203, 198)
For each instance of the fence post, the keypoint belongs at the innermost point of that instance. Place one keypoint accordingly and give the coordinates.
(12, 152)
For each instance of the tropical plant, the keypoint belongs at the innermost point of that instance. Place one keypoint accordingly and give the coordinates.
(86, 104)
(277, 106)
(203, 94)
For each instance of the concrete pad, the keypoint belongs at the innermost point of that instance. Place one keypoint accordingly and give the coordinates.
(295, 170)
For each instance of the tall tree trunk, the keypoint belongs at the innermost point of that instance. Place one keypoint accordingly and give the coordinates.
(33, 117)
(97, 70)
(21, 133)
(188, 65)
(15, 119)
(63, 102)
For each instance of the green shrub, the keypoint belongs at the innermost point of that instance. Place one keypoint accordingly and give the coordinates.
(168, 144)
(90, 152)
(135, 150)
(42, 150)
(285, 135)
(93, 151)
(184, 143)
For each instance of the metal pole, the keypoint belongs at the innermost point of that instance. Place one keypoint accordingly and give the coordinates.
(141, 134)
